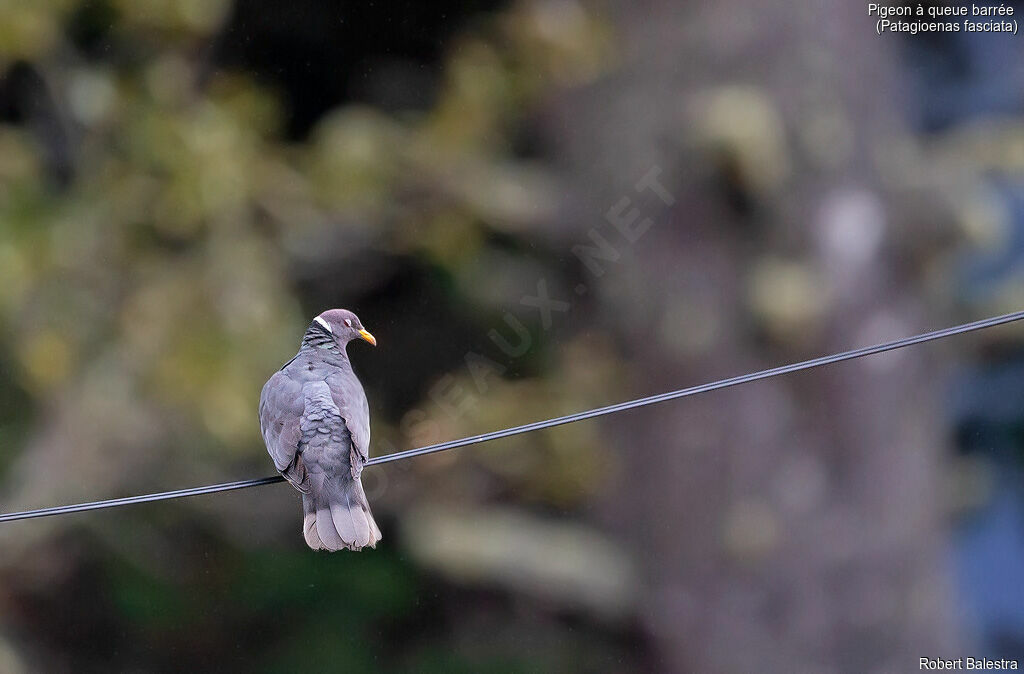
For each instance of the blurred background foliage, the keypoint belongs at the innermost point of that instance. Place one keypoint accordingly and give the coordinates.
(184, 183)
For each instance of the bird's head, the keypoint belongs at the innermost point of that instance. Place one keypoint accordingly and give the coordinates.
(342, 325)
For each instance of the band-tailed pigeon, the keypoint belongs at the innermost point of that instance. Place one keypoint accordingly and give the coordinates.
(316, 424)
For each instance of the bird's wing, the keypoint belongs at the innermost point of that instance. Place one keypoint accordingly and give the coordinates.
(281, 407)
(348, 395)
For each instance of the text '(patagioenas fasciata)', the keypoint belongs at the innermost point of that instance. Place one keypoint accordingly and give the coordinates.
(316, 424)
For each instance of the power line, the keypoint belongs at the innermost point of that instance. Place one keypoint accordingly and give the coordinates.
(540, 425)
(145, 498)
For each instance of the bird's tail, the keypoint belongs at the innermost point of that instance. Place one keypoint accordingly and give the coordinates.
(337, 515)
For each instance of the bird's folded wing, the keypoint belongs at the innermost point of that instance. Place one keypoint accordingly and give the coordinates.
(348, 395)
(281, 406)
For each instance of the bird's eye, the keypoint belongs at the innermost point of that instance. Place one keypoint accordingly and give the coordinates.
(348, 322)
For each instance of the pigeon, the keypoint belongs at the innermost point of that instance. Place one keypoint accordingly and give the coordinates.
(316, 425)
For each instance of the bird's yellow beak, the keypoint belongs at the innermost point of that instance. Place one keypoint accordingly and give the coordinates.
(368, 337)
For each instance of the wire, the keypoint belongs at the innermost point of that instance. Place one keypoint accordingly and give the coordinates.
(540, 425)
(146, 498)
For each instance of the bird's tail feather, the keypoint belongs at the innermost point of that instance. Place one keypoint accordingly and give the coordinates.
(337, 515)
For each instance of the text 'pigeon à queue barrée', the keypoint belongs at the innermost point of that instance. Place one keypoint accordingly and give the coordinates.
(316, 424)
